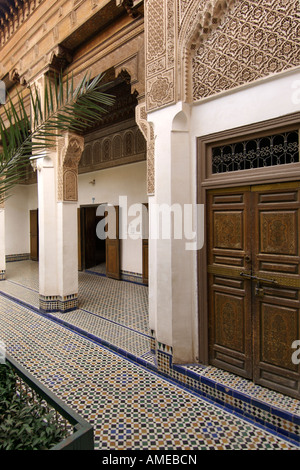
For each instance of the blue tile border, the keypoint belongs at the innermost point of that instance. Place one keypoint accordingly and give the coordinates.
(125, 277)
(242, 398)
(180, 370)
(55, 303)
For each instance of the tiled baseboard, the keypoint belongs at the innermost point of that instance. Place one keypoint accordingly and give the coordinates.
(206, 381)
(52, 303)
(132, 277)
(128, 276)
(17, 257)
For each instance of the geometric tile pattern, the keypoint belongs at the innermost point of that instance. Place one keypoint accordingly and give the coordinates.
(248, 387)
(104, 307)
(125, 303)
(100, 269)
(128, 406)
(117, 313)
(56, 303)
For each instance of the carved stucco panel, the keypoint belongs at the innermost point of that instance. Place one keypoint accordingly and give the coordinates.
(252, 41)
(70, 148)
(161, 34)
(148, 132)
(155, 29)
(70, 185)
(161, 90)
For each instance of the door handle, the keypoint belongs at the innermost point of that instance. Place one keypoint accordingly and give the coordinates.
(259, 279)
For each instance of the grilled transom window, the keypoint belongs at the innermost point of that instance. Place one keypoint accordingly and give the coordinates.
(271, 150)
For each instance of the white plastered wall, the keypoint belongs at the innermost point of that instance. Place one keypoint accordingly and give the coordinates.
(264, 99)
(126, 180)
(110, 185)
(23, 198)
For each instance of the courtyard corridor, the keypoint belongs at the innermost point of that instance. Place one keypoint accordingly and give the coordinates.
(97, 359)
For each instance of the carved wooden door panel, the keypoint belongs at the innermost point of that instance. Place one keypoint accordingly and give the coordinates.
(79, 239)
(253, 282)
(229, 245)
(276, 299)
(34, 235)
(113, 243)
(89, 236)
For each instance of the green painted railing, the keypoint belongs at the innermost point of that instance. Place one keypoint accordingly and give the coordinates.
(81, 435)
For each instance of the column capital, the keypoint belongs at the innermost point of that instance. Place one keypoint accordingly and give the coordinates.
(70, 148)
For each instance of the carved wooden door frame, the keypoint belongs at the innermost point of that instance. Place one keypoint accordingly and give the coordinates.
(206, 181)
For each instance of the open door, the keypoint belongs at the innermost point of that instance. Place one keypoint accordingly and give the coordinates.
(145, 253)
(112, 243)
(145, 262)
(34, 235)
(87, 237)
(79, 240)
(90, 237)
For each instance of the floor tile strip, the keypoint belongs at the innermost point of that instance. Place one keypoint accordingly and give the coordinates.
(128, 406)
(140, 354)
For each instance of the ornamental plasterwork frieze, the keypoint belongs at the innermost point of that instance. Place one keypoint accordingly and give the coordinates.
(216, 45)
(254, 40)
(161, 35)
(197, 21)
(170, 27)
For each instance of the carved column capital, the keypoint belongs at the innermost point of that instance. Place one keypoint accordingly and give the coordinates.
(70, 148)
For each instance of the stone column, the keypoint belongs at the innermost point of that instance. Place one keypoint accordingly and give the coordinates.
(172, 263)
(2, 237)
(2, 241)
(58, 250)
(148, 132)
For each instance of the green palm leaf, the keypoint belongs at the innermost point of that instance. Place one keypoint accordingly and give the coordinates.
(63, 107)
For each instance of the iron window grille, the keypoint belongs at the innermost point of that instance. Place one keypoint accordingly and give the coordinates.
(260, 152)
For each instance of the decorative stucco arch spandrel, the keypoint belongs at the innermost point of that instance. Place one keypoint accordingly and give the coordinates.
(198, 48)
(173, 30)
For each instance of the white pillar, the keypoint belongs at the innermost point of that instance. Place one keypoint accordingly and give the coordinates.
(48, 281)
(58, 248)
(2, 244)
(182, 257)
(67, 250)
(172, 268)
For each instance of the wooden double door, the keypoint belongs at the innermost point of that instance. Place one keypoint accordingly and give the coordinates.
(254, 283)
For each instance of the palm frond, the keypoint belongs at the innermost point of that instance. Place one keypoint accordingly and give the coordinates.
(63, 107)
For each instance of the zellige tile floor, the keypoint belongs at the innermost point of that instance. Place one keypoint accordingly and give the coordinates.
(130, 407)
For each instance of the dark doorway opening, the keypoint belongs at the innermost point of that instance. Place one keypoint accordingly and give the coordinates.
(93, 249)
(94, 252)
(34, 234)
